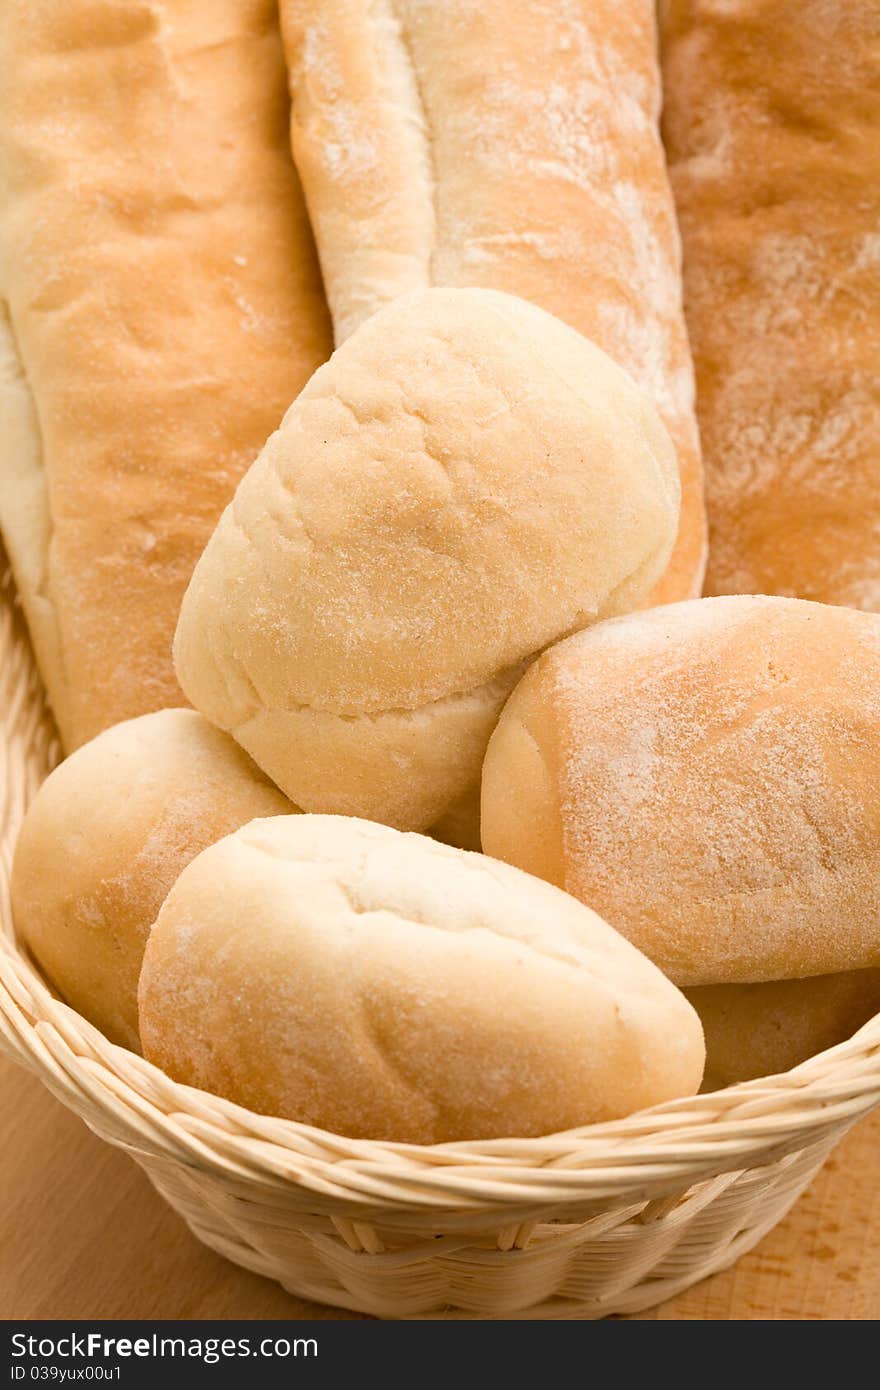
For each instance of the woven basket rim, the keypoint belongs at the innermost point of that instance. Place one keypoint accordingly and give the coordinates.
(668, 1147)
(726, 1129)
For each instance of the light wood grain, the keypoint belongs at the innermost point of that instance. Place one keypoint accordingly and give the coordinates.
(83, 1235)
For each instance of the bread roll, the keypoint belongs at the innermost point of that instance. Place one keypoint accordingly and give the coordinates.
(104, 840)
(707, 777)
(513, 147)
(382, 986)
(160, 305)
(763, 1029)
(465, 481)
(772, 123)
(460, 826)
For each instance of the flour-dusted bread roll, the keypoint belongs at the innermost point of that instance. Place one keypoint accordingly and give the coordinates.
(510, 146)
(464, 482)
(103, 841)
(762, 1029)
(772, 123)
(382, 986)
(160, 305)
(707, 777)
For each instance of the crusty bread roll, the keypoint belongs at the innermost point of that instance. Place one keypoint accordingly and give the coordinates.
(772, 122)
(762, 1029)
(103, 841)
(160, 305)
(707, 777)
(464, 482)
(443, 142)
(380, 985)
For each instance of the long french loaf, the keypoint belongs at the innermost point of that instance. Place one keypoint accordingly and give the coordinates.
(772, 123)
(444, 142)
(160, 306)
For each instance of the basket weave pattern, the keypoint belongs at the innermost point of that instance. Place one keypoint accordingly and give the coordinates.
(610, 1219)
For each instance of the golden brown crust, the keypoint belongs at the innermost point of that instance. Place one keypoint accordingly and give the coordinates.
(763, 1029)
(165, 306)
(772, 125)
(522, 787)
(435, 151)
(717, 766)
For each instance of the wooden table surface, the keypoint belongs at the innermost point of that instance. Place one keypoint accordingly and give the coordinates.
(83, 1235)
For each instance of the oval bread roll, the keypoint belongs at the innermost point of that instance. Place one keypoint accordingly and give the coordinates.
(707, 777)
(103, 841)
(464, 482)
(380, 985)
(763, 1029)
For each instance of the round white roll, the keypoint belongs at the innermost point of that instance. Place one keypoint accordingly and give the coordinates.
(465, 481)
(104, 839)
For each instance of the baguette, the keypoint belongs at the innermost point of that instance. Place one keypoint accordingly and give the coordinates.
(160, 305)
(462, 145)
(772, 124)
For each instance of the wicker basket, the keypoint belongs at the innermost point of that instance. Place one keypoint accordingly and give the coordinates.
(610, 1219)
